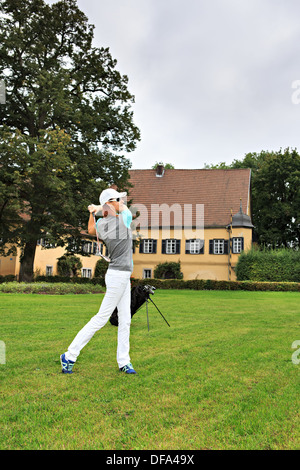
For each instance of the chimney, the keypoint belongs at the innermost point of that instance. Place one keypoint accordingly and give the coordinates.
(160, 171)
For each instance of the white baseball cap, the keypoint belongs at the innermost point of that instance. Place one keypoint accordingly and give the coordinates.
(108, 194)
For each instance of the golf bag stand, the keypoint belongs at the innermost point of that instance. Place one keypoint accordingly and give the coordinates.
(139, 295)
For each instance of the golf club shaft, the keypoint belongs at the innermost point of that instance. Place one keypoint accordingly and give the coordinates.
(99, 248)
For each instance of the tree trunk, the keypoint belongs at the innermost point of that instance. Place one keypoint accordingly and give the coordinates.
(27, 261)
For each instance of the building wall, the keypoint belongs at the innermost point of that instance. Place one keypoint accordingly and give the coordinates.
(43, 258)
(48, 257)
(8, 265)
(193, 266)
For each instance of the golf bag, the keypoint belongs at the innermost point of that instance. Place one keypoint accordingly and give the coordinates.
(139, 295)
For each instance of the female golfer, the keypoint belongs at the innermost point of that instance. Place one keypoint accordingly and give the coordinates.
(114, 230)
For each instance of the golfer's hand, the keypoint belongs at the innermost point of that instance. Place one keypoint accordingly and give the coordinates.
(93, 209)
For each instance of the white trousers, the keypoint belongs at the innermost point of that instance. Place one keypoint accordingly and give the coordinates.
(118, 294)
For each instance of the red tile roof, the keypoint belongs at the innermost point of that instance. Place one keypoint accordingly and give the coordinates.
(219, 191)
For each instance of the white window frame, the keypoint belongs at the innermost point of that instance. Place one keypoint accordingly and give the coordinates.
(170, 247)
(49, 270)
(87, 247)
(219, 247)
(237, 243)
(96, 250)
(148, 246)
(195, 246)
(43, 242)
(86, 272)
(145, 272)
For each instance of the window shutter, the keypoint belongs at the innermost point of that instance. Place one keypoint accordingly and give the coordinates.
(187, 247)
(141, 246)
(211, 247)
(177, 247)
(154, 245)
(202, 247)
(226, 247)
(242, 247)
(163, 246)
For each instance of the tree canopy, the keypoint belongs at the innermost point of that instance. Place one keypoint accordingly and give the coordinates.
(275, 184)
(64, 128)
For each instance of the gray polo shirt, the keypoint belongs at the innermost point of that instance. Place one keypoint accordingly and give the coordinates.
(116, 233)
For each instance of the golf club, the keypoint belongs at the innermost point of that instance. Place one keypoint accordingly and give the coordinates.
(99, 247)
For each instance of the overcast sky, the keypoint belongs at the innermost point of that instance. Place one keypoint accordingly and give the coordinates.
(212, 79)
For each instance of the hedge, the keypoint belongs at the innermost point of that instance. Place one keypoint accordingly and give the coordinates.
(70, 280)
(84, 285)
(7, 278)
(49, 288)
(202, 284)
(195, 284)
(282, 265)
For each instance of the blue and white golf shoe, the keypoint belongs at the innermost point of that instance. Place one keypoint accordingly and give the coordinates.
(66, 366)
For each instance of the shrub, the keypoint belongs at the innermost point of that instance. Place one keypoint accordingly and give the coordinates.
(68, 265)
(101, 267)
(52, 279)
(282, 265)
(7, 278)
(168, 271)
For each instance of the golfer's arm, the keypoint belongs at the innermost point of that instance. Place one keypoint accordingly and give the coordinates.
(127, 216)
(91, 225)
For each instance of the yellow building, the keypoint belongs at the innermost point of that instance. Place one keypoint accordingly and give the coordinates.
(198, 217)
(45, 262)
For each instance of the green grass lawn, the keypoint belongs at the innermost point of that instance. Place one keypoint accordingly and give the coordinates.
(221, 377)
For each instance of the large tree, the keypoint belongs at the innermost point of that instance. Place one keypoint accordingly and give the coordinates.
(275, 196)
(66, 122)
